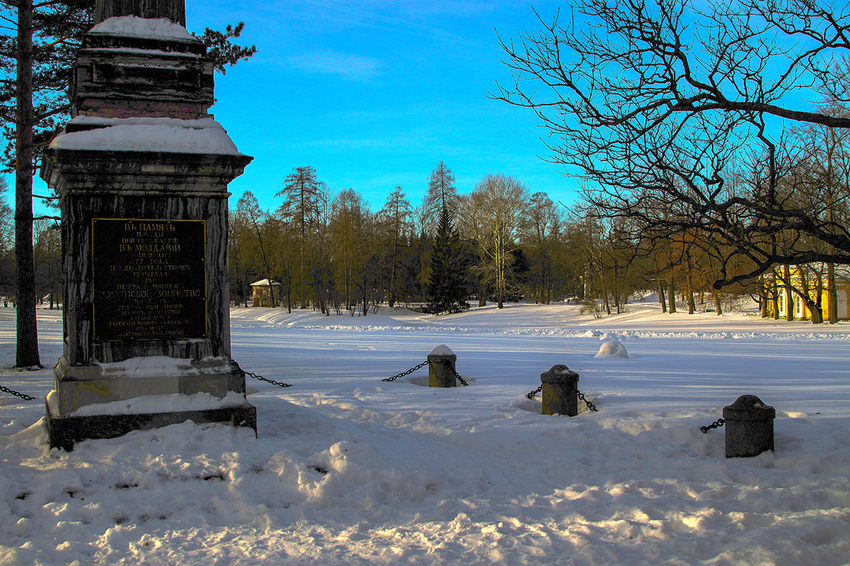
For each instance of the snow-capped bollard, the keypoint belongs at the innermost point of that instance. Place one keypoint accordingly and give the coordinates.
(441, 367)
(749, 427)
(560, 391)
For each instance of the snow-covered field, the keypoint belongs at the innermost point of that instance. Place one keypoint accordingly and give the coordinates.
(348, 469)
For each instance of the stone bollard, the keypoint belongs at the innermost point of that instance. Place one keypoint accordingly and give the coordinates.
(441, 367)
(749, 427)
(560, 391)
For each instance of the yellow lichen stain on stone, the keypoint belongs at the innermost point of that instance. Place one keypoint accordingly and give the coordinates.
(100, 389)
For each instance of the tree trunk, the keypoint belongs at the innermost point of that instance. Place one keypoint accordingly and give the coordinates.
(604, 291)
(763, 297)
(482, 292)
(789, 298)
(718, 305)
(814, 311)
(616, 290)
(775, 298)
(831, 294)
(691, 306)
(671, 294)
(661, 296)
(27, 326)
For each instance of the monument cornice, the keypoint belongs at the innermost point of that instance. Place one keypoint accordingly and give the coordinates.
(99, 171)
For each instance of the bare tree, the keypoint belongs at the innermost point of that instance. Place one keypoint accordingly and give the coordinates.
(353, 251)
(255, 220)
(47, 255)
(663, 103)
(542, 226)
(491, 217)
(824, 170)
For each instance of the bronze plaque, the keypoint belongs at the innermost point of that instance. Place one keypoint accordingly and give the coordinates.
(149, 279)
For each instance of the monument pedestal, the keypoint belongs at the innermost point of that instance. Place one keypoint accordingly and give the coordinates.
(110, 400)
(64, 432)
(142, 172)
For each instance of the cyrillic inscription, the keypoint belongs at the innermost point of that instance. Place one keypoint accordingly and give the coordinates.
(149, 279)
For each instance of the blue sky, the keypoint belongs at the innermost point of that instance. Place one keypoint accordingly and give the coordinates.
(374, 94)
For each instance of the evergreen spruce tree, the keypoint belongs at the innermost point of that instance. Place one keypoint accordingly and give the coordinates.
(446, 292)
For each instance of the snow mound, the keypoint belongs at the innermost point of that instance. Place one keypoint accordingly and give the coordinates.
(612, 348)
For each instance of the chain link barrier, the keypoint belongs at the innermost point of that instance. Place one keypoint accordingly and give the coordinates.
(267, 380)
(23, 396)
(408, 372)
(459, 378)
(420, 366)
(587, 402)
(590, 405)
(716, 424)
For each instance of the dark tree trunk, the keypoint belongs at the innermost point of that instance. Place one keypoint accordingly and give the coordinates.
(671, 294)
(718, 305)
(775, 298)
(832, 295)
(27, 343)
(661, 296)
(789, 298)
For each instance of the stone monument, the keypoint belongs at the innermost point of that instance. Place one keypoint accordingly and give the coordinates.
(142, 171)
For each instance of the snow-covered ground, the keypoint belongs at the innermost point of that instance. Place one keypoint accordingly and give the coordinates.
(348, 469)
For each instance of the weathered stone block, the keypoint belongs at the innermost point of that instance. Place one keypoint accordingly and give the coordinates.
(64, 432)
(560, 391)
(174, 10)
(749, 427)
(441, 368)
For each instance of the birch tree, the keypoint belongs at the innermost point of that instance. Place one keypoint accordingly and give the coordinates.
(492, 218)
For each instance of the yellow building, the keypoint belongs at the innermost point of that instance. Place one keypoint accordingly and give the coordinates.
(265, 293)
(798, 305)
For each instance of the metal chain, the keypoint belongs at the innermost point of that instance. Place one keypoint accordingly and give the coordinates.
(420, 366)
(261, 378)
(23, 396)
(590, 405)
(716, 424)
(408, 372)
(457, 375)
(581, 396)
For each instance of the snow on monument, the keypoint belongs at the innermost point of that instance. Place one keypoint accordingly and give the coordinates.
(142, 171)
